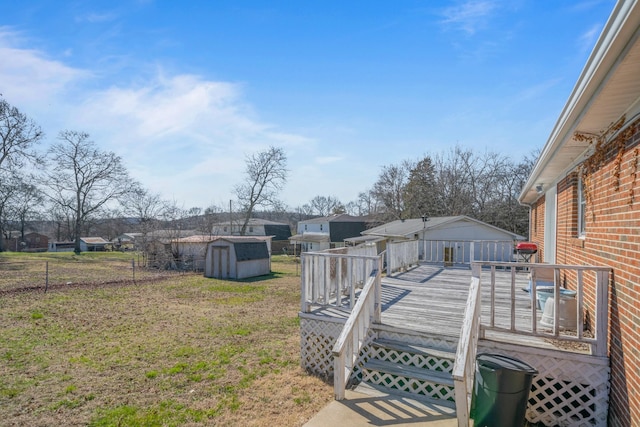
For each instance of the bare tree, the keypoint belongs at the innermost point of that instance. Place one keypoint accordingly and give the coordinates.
(326, 205)
(26, 203)
(265, 175)
(84, 179)
(389, 189)
(18, 137)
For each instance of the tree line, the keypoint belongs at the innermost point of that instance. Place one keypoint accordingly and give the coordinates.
(78, 187)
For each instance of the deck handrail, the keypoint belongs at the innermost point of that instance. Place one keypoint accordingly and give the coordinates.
(464, 363)
(599, 310)
(355, 331)
(331, 279)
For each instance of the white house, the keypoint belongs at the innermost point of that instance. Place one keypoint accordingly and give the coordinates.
(255, 227)
(454, 239)
(328, 231)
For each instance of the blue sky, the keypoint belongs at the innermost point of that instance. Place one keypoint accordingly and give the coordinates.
(183, 91)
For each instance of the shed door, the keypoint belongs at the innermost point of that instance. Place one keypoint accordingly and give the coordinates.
(220, 262)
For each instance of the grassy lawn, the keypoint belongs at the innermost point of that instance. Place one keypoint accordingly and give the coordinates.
(180, 350)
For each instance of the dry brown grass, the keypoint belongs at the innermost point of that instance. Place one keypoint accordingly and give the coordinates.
(184, 350)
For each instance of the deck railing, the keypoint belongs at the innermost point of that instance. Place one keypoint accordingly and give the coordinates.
(402, 255)
(355, 332)
(590, 303)
(459, 252)
(331, 278)
(465, 362)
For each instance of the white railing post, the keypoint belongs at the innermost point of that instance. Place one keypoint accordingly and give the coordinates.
(464, 363)
(602, 308)
(304, 306)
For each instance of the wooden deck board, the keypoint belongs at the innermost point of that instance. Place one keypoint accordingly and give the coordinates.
(432, 299)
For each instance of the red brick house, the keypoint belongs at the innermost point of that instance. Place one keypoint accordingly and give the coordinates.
(584, 193)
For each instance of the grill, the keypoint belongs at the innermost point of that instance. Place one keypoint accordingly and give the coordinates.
(526, 250)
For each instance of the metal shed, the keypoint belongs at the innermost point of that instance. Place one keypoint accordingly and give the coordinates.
(230, 258)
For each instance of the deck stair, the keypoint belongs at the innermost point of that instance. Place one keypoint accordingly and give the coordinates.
(410, 369)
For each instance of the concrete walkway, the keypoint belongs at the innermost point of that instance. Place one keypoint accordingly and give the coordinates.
(379, 409)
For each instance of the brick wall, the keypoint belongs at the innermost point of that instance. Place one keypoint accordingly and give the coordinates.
(612, 239)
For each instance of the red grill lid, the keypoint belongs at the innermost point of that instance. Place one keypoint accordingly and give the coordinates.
(526, 246)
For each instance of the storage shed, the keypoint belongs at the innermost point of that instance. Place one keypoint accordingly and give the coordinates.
(233, 258)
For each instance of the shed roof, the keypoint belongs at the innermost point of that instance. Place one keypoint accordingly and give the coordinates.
(247, 251)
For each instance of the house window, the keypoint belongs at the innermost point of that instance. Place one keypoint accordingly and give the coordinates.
(225, 229)
(250, 229)
(582, 208)
(305, 227)
(320, 227)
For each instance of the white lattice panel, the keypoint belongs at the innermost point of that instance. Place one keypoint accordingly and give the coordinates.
(421, 361)
(569, 390)
(409, 385)
(317, 339)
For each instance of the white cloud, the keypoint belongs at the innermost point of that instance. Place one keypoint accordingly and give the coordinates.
(588, 39)
(27, 76)
(469, 16)
(181, 135)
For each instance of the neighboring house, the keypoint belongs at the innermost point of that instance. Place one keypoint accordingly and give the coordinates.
(127, 241)
(255, 227)
(93, 244)
(157, 247)
(237, 258)
(280, 232)
(61, 246)
(312, 233)
(87, 244)
(32, 242)
(584, 193)
(456, 239)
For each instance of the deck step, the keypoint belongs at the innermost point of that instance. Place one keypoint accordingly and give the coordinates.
(414, 349)
(413, 372)
(429, 402)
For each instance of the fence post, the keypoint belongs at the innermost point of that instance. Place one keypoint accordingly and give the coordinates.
(46, 276)
(133, 267)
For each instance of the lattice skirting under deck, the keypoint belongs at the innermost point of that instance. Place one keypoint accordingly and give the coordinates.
(569, 390)
(317, 338)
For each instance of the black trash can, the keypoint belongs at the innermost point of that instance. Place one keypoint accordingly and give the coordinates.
(501, 391)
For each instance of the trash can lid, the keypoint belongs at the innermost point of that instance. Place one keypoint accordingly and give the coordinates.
(500, 362)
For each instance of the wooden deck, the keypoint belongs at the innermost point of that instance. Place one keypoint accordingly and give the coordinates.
(431, 299)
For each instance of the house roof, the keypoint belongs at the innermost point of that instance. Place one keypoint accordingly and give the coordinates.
(407, 228)
(607, 89)
(252, 222)
(198, 238)
(334, 218)
(94, 240)
(364, 239)
(239, 239)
